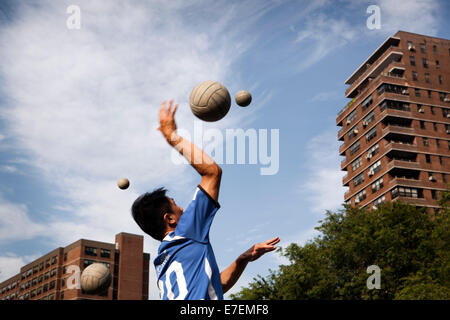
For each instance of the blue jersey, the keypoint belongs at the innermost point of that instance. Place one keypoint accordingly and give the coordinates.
(185, 265)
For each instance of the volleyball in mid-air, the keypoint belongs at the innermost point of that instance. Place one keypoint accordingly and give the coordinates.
(210, 101)
(123, 183)
(96, 278)
(243, 98)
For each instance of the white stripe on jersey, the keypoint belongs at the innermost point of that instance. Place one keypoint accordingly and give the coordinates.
(169, 238)
(195, 194)
(211, 292)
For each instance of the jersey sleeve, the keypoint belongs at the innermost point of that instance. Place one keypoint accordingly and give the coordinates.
(196, 220)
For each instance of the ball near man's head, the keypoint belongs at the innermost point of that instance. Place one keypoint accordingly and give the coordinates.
(123, 183)
(95, 279)
(243, 98)
(210, 101)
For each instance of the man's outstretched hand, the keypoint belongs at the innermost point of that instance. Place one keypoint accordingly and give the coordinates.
(259, 249)
(167, 124)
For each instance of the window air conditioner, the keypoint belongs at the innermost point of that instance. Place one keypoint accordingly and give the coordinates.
(421, 110)
(448, 115)
(348, 121)
(404, 91)
(431, 178)
(411, 47)
(355, 131)
(370, 172)
(364, 123)
(356, 200)
(446, 99)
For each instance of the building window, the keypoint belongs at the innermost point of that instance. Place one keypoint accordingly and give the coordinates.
(352, 116)
(373, 169)
(435, 126)
(425, 62)
(35, 269)
(440, 79)
(356, 164)
(434, 194)
(429, 94)
(422, 47)
(47, 275)
(90, 251)
(87, 262)
(105, 253)
(47, 263)
(427, 77)
(425, 142)
(414, 76)
(354, 148)
(360, 196)
(422, 125)
(29, 272)
(53, 272)
(34, 282)
(65, 256)
(366, 103)
(374, 150)
(41, 266)
(369, 118)
(434, 49)
(41, 277)
(437, 64)
(53, 260)
(427, 158)
(404, 192)
(33, 293)
(51, 285)
(412, 60)
(45, 287)
(51, 296)
(441, 160)
(438, 143)
(358, 180)
(444, 178)
(377, 185)
(417, 92)
(432, 110)
(371, 134)
(39, 290)
(353, 133)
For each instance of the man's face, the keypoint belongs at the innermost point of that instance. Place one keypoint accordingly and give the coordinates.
(176, 210)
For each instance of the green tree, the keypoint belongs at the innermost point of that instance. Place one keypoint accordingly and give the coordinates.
(409, 245)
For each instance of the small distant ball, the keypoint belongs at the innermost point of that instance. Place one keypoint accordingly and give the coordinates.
(95, 279)
(123, 183)
(243, 98)
(210, 101)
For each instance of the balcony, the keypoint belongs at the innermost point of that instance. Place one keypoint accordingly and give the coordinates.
(410, 147)
(397, 129)
(403, 164)
(414, 201)
(392, 55)
(405, 182)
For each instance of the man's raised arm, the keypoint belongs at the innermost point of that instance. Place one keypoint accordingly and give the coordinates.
(210, 172)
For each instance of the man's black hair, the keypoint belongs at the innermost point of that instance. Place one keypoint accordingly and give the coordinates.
(148, 212)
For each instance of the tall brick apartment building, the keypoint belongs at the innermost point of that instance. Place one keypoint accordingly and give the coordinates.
(396, 128)
(51, 276)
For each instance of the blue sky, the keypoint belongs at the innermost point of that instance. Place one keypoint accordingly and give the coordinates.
(78, 110)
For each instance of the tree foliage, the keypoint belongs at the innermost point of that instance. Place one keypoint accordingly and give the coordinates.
(409, 245)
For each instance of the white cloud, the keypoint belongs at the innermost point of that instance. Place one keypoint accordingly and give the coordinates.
(15, 222)
(323, 184)
(325, 35)
(8, 169)
(418, 16)
(10, 264)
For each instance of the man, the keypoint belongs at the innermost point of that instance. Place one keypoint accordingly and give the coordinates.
(185, 265)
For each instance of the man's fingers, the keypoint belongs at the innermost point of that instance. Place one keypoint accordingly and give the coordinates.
(174, 110)
(170, 106)
(272, 241)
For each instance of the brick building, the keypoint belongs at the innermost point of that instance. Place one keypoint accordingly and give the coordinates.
(396, 128)
(51, 277)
